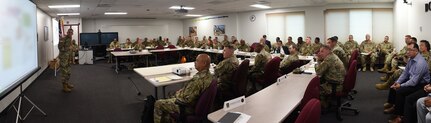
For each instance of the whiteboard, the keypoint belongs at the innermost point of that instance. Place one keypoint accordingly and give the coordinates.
(132, 32)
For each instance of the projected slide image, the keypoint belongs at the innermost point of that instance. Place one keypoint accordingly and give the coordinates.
(18, 41)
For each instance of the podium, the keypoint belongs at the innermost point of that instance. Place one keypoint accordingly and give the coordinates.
(85, 56)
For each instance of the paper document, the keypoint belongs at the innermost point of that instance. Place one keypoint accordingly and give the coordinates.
(162, 79)
(175, 77)
(365, 54)
(401, 67)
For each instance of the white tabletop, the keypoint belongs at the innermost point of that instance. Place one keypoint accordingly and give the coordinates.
(127, 53)
(158, 71)
(165, 50)
(274, 103)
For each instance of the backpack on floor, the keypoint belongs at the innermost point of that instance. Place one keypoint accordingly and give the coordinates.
(148, 113)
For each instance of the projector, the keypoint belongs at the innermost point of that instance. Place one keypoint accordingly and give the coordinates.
(181, 11)
(180, 70)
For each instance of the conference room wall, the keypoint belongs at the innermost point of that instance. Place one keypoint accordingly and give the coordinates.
(410, 19)
(44, 55)
(132, 28)
(252, 31)
(205, 25)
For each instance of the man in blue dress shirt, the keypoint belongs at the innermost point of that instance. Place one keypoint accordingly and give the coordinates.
(414, 78)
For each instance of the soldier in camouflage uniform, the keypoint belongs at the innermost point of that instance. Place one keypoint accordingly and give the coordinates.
(350, 46)
(265, 47)
(139, 45)
(385, 49)
(160, 42)
(287, 61)
(300, 43)
(180, 42)
(196, 43)
(65, 47)
(307, 49)
(144, 43)
(114, 44)
(223, 72)
(259, 63)
(337, 50)
(188, 95)
(331, 70)
(393, 58)
(128, 43)
(216, 44)
(316, 45)
(225, 42)
(243, 46)
(368, 46)
(289, 42)
(74, 52)
(207, 44)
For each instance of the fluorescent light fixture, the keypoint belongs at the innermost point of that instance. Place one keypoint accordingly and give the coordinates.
(115, 13)
(192, 15)
(64, 6)
(260, 6)
(181, 7)
(68, 14)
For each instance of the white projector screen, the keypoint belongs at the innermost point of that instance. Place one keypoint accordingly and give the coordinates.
(18, 43)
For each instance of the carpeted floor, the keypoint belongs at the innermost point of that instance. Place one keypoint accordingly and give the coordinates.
(102, 96)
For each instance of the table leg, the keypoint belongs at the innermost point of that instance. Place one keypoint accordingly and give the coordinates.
(164, 92)
(155, 93)
(155, 55)
(116, 64)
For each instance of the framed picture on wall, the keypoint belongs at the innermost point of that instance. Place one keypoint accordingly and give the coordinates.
(45, 33)
(219, 30)
(193, 31)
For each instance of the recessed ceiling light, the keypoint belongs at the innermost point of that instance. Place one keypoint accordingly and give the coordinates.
(181, 7)
(115, 13)
(64, 6)
(260, 6)
(192, 15)
(68, 14)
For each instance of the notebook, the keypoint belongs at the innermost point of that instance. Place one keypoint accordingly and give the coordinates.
(230, 117)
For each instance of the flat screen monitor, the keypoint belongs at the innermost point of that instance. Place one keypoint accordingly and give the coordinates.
(89, 39)
(108, 37)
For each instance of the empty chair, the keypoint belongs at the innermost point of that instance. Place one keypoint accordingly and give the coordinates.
(312, 91)
(310, 113)
(291, 67)
(348, 85)
(354, 56)
(271, 73)
(240, 77)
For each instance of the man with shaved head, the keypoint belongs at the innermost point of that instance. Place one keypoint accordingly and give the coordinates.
(187, 95)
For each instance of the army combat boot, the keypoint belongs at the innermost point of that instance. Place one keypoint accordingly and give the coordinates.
(65, 88)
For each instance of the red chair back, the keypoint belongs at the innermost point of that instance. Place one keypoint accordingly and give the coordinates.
(160, 47)
(350, 79)
(312, 91)
(271, 71)
(253, 46)
(117, 49)
(240, 77)
(310, 113)
(171, 46)
(354, 56)
(203, 106)
(293, 66)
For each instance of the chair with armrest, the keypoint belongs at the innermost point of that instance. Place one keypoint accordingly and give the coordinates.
(348, 85)
(271, 73)
(202, 108)
(310, 113)
(312, 91)
(291, 67)
(240, 77)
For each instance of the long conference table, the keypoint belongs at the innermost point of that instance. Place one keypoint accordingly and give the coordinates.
(165, 72)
